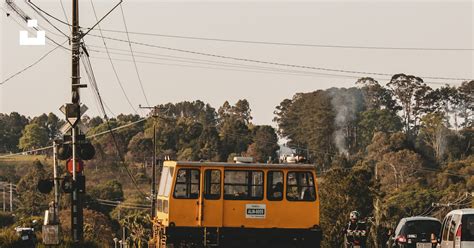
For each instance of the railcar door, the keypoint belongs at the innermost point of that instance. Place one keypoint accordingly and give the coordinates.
(212, 199)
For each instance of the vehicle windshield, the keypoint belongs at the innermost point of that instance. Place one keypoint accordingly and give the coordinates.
(422, 227)
(165, 181)
(467, 230)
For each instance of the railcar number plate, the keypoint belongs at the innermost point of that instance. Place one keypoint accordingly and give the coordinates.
(423, 245)
(255, 211)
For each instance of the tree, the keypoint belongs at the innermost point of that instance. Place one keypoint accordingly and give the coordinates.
(376, 96)
(34, 136)
(342, 191)
(11, 127)
(466, 91)
(31, 201)
(376, 120)
(306, 122)
(433, 133)
(97, 227)
(140, 148)
(235, 135)
(50, 123)
(411, 92)
(265, 144)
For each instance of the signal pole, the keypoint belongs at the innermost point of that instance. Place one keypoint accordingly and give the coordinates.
(77, 222)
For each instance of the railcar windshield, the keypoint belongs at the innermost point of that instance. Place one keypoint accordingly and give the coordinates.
(165, 181)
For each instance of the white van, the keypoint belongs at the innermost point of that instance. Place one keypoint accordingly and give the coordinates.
(457, 230)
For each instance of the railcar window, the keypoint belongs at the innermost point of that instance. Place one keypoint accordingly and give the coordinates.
(212, 184)
(243, 185)
(300, 186)
(166, 181)
(187, 184)
(275, 185)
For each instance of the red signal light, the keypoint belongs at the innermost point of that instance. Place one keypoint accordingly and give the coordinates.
(79, 166)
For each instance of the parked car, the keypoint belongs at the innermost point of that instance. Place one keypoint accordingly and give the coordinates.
(415, 232)
(458, 229)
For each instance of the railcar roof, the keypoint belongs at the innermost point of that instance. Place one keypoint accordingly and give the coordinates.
(240, 165)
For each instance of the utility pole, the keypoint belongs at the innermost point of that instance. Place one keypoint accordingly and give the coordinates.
(153, 164)
(11, 197)
(56, 182)
(4, 202)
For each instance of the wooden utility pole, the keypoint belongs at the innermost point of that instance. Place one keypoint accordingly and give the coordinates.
(4, 200)
(11, 197)
(153, 165)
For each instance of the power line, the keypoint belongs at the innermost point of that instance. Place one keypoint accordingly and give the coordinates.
(239, 70)
(33, 64)
(39, 12)
(119, 153)
(25, 18)
(218, 63)
(133, 57)
(111, 62)
(291, 44)
(261, 69)
(65, 15)
(268, 62)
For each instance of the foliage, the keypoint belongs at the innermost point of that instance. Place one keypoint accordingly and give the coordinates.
(34, 136)
(31, 201)
(97, 227)
(11, 127)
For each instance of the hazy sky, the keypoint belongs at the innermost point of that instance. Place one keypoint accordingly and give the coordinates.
(46, 86)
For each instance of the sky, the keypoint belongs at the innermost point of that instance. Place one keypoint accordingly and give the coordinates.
(168, 75)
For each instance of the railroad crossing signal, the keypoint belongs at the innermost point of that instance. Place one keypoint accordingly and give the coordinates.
(73, 115)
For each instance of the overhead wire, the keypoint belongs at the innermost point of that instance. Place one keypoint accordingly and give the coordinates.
(35, 9)
(112, 63)
(269, 62)
(65, 15)
(289, 43)
(133, 57)
(222, 64)
(21, 14)
(119, 152)
(31, 65)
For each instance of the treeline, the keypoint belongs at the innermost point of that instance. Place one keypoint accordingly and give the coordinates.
(389, 151)
(184, 131)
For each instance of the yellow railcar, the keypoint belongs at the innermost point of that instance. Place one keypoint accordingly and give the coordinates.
(213, 204)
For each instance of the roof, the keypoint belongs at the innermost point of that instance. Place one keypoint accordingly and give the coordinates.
(250, 165)
(462, 211)
(415, 218)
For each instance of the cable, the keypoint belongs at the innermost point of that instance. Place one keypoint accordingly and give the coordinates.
(119, 153)
(34, 63)
(292, 44)
(46, 13)
(228, 69)
(157, 56)
(25, 18)
(222, 64)
(65, 15)
(112, 63)
(133, 57)
(32, 6)
(269, 63)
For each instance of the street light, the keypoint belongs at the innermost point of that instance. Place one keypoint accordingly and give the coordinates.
(120, 242)
(115, 242)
